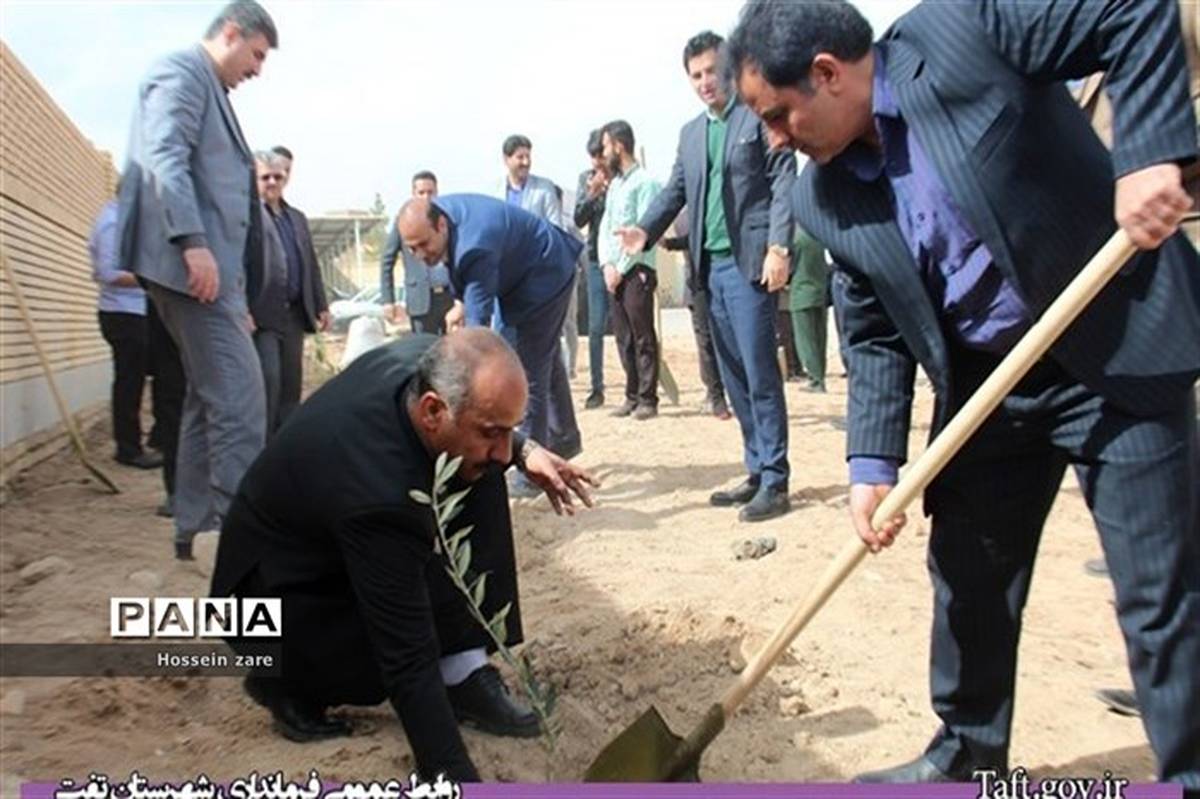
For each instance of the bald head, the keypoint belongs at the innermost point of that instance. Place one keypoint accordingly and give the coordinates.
(467, 397)
(466, 365)
(424, 229)
(413, 213)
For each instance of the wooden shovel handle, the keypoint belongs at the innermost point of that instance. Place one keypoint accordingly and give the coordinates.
(1032, 346)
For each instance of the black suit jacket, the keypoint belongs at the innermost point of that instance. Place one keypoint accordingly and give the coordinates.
(325, 511)
(312, 286)
(980, 85)
(755, 191)
(268, 304)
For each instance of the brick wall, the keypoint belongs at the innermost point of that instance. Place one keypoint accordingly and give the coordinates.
(52, 184)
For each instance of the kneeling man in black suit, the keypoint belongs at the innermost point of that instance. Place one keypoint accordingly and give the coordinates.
(324, 520)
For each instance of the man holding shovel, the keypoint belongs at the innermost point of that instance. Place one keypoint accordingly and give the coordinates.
(954, 221)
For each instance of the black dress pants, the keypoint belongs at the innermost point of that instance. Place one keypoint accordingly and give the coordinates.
(126, 335)
(167, 391)
(637, 342)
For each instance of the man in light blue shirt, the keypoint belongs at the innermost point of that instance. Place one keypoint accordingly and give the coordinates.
(122, 312)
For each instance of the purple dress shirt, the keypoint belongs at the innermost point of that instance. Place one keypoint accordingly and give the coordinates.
(979, 307)
(291, 252)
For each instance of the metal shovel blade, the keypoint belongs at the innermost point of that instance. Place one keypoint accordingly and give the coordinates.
(643, 752)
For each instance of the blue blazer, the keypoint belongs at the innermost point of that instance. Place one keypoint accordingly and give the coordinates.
(755, 191)
(499, 252)
(980, 84)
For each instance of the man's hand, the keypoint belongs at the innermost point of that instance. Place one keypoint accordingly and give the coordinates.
(251, 328)
(633, 239)
(775, 271)
(864, 499)
(596, 184)
(612, 278)
(1150, 204)
(203, 277)
(456, 316)
(324, 322)
(559, 479)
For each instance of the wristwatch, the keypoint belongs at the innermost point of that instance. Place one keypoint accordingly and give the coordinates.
(524, 447)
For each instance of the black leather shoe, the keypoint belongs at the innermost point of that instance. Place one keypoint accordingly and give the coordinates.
(594, 400)
(143, 460)
(482, 701)
(294, 719)
(1119, 701)
(183, 550)
(740, 495)
(624, 409)
(919, 770)
(768, 503)
(645, 412)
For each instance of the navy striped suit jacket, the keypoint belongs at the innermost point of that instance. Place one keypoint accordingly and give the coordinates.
(980, 85)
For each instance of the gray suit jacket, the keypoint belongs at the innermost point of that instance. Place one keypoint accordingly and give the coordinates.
(189, 174)
(418, 291)
(540, 199)
(755, 192)
(1036, 185)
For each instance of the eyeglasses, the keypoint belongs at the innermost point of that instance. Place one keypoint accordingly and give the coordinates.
(272, 177)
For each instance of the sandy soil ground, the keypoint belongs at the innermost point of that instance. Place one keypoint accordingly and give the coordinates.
(637, 602)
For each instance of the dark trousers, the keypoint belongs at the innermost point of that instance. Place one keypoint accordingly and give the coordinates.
(710, 374)
(1140, 479)
(328, 657)
(637, 342)
(269, 346)
(126, 336)
(743, 326)
(809, 332)
(434, 321)
(784, 338)
(597, 320)
(291, 363)
(539, 346)
(327, 654)
(167, 392)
